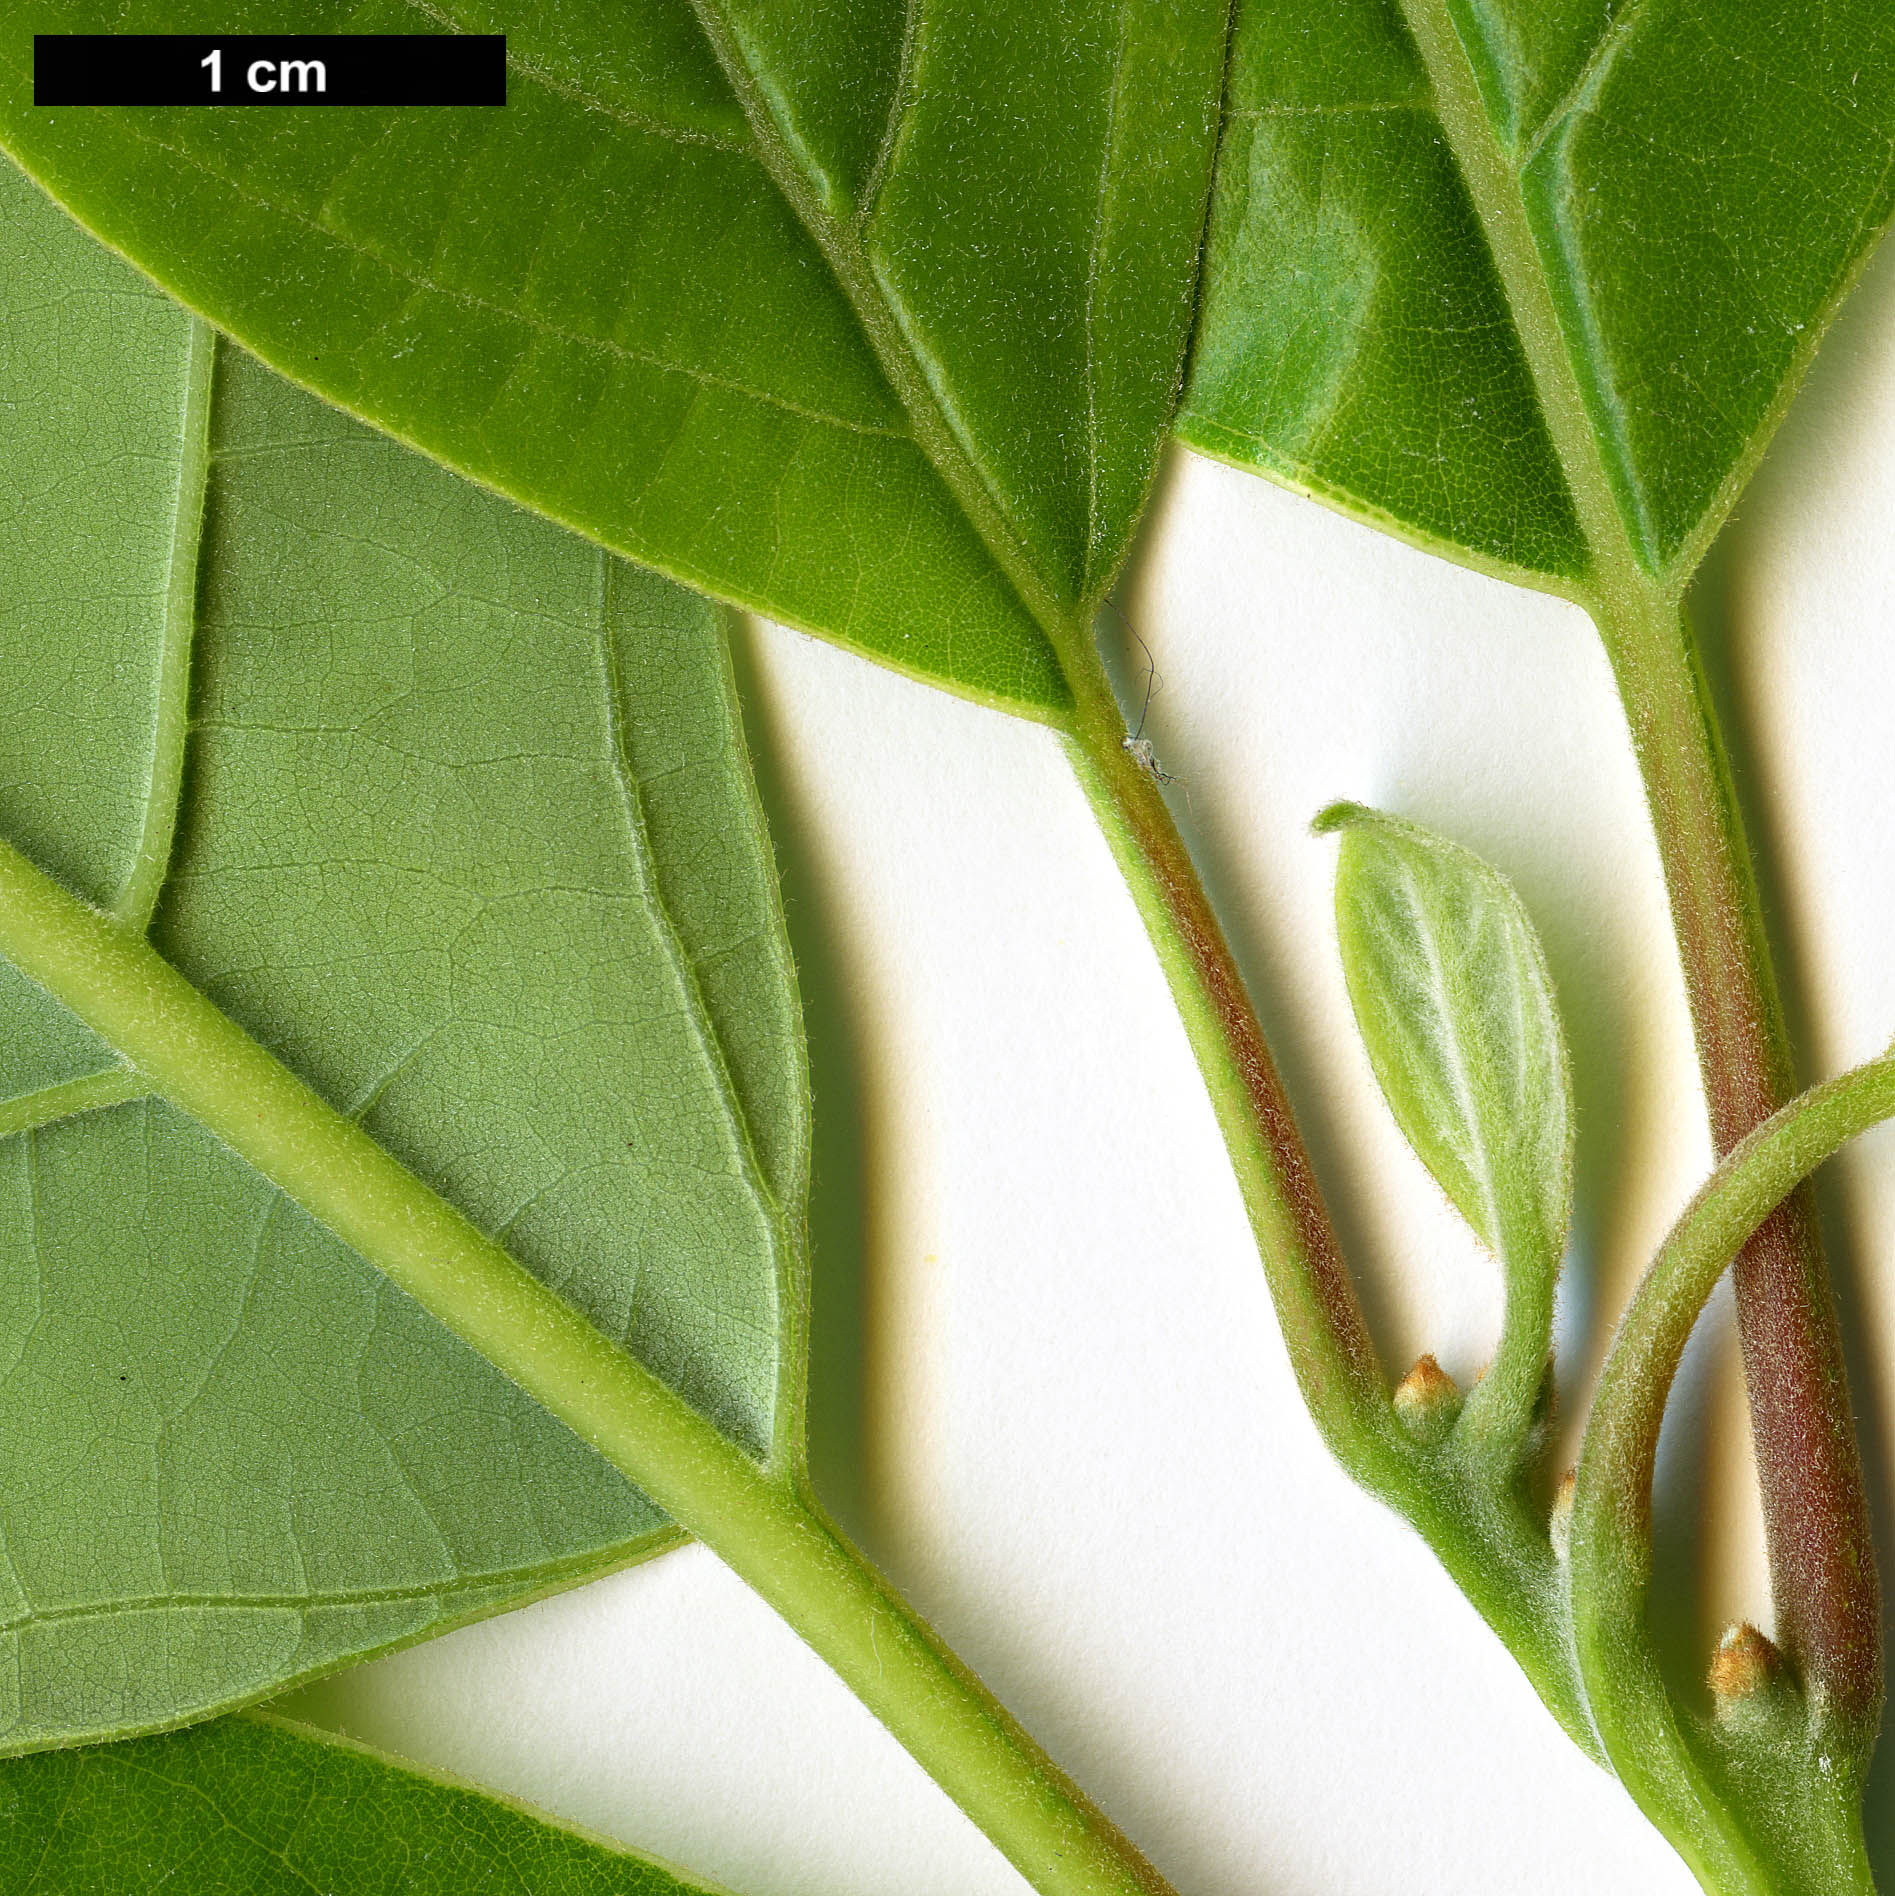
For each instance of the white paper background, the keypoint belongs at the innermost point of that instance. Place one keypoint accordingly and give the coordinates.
(1051, 1394)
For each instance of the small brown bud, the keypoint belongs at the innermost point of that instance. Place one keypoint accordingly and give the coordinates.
(1427, 1399)
(1560, 1526)
(1745, 1665)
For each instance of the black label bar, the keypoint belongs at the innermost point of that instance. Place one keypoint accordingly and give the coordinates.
(269, 69)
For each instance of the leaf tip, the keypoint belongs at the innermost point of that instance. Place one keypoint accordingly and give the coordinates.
(1341, 815)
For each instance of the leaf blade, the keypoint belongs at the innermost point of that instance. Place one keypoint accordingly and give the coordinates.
(249, 1460)
(75, 764)
(1355, 341)
(262, 1804)
(658, 329)
(415, 710)
(1455, 1007)
(1662, 157)
(1685, 383)
(470, 900)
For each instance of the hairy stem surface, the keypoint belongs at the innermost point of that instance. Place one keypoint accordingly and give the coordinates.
(1765, 1799)
(1822, 1567)
(1335, 1361)
(1478, 1519)
(1822, 1551)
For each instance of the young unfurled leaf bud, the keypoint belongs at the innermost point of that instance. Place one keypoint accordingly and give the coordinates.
(1560, 1526)
(1743, 1669)
(1427, 1399)
(1456, 1007)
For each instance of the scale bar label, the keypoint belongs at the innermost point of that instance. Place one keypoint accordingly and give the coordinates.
(285, 69)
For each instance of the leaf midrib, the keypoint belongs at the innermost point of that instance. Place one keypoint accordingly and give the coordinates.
(886, 333)
(1493, 185)
(1622, 584)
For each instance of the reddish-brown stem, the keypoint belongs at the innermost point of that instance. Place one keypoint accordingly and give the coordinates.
(1490, 1538)
(1822, 1559)
(1821, 1563)
(1329, 1344)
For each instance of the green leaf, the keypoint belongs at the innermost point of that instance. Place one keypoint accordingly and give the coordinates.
(1700, 185)
(258, 1806)
(465, 834)
(867, 317)
(1456, 1009)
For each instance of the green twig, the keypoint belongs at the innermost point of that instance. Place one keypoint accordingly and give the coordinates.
(1479, 1519)
(1765, 1799)
(1822, 1567)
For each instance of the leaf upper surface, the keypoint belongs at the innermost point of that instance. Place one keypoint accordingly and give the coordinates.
(467, 837)
(868, 316)
(1355, 340)
(1702, 179)
(256, 1806)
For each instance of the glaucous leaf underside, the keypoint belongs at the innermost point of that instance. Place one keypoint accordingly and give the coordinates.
(460, 826)
(1702, 179)
(868, 316)
(256, 1806)
(1450, 990)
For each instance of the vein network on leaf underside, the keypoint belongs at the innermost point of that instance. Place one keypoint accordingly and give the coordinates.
(784, 1250)
(1561, 265)
(1441, 991)
(35, 1111)
(571, 89)
(901, 104)
(1492, 175)
(138, 899)
(463, 1580)
(157, 819)
(49, 1105)
(1094, 252)
(1582, 95)
(1344, 108)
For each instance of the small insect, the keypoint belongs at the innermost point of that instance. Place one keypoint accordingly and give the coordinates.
(1142, 754)
(1136, 744)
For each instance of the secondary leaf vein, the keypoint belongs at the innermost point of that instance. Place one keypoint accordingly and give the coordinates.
(138, 899)
(691, 994)
(468, 299)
